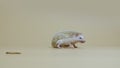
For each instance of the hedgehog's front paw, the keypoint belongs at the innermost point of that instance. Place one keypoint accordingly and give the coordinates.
(75, 47)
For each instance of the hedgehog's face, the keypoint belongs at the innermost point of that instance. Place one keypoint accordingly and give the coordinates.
(81, 38)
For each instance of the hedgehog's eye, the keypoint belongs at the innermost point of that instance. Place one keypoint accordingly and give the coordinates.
(80, 38)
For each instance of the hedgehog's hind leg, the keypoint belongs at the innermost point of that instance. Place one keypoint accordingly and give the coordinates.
(59, 45)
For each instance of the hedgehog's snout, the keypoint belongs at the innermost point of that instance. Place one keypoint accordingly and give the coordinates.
(83, 41)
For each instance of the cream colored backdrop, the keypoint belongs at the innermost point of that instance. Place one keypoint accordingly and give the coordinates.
(34, 22)
(27, 26)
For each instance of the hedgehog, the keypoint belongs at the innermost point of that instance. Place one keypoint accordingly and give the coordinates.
(66, 39)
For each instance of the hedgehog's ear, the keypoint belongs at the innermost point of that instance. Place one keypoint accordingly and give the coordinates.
(78, 34)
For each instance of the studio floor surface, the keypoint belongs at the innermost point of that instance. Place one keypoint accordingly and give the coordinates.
(48, 57)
